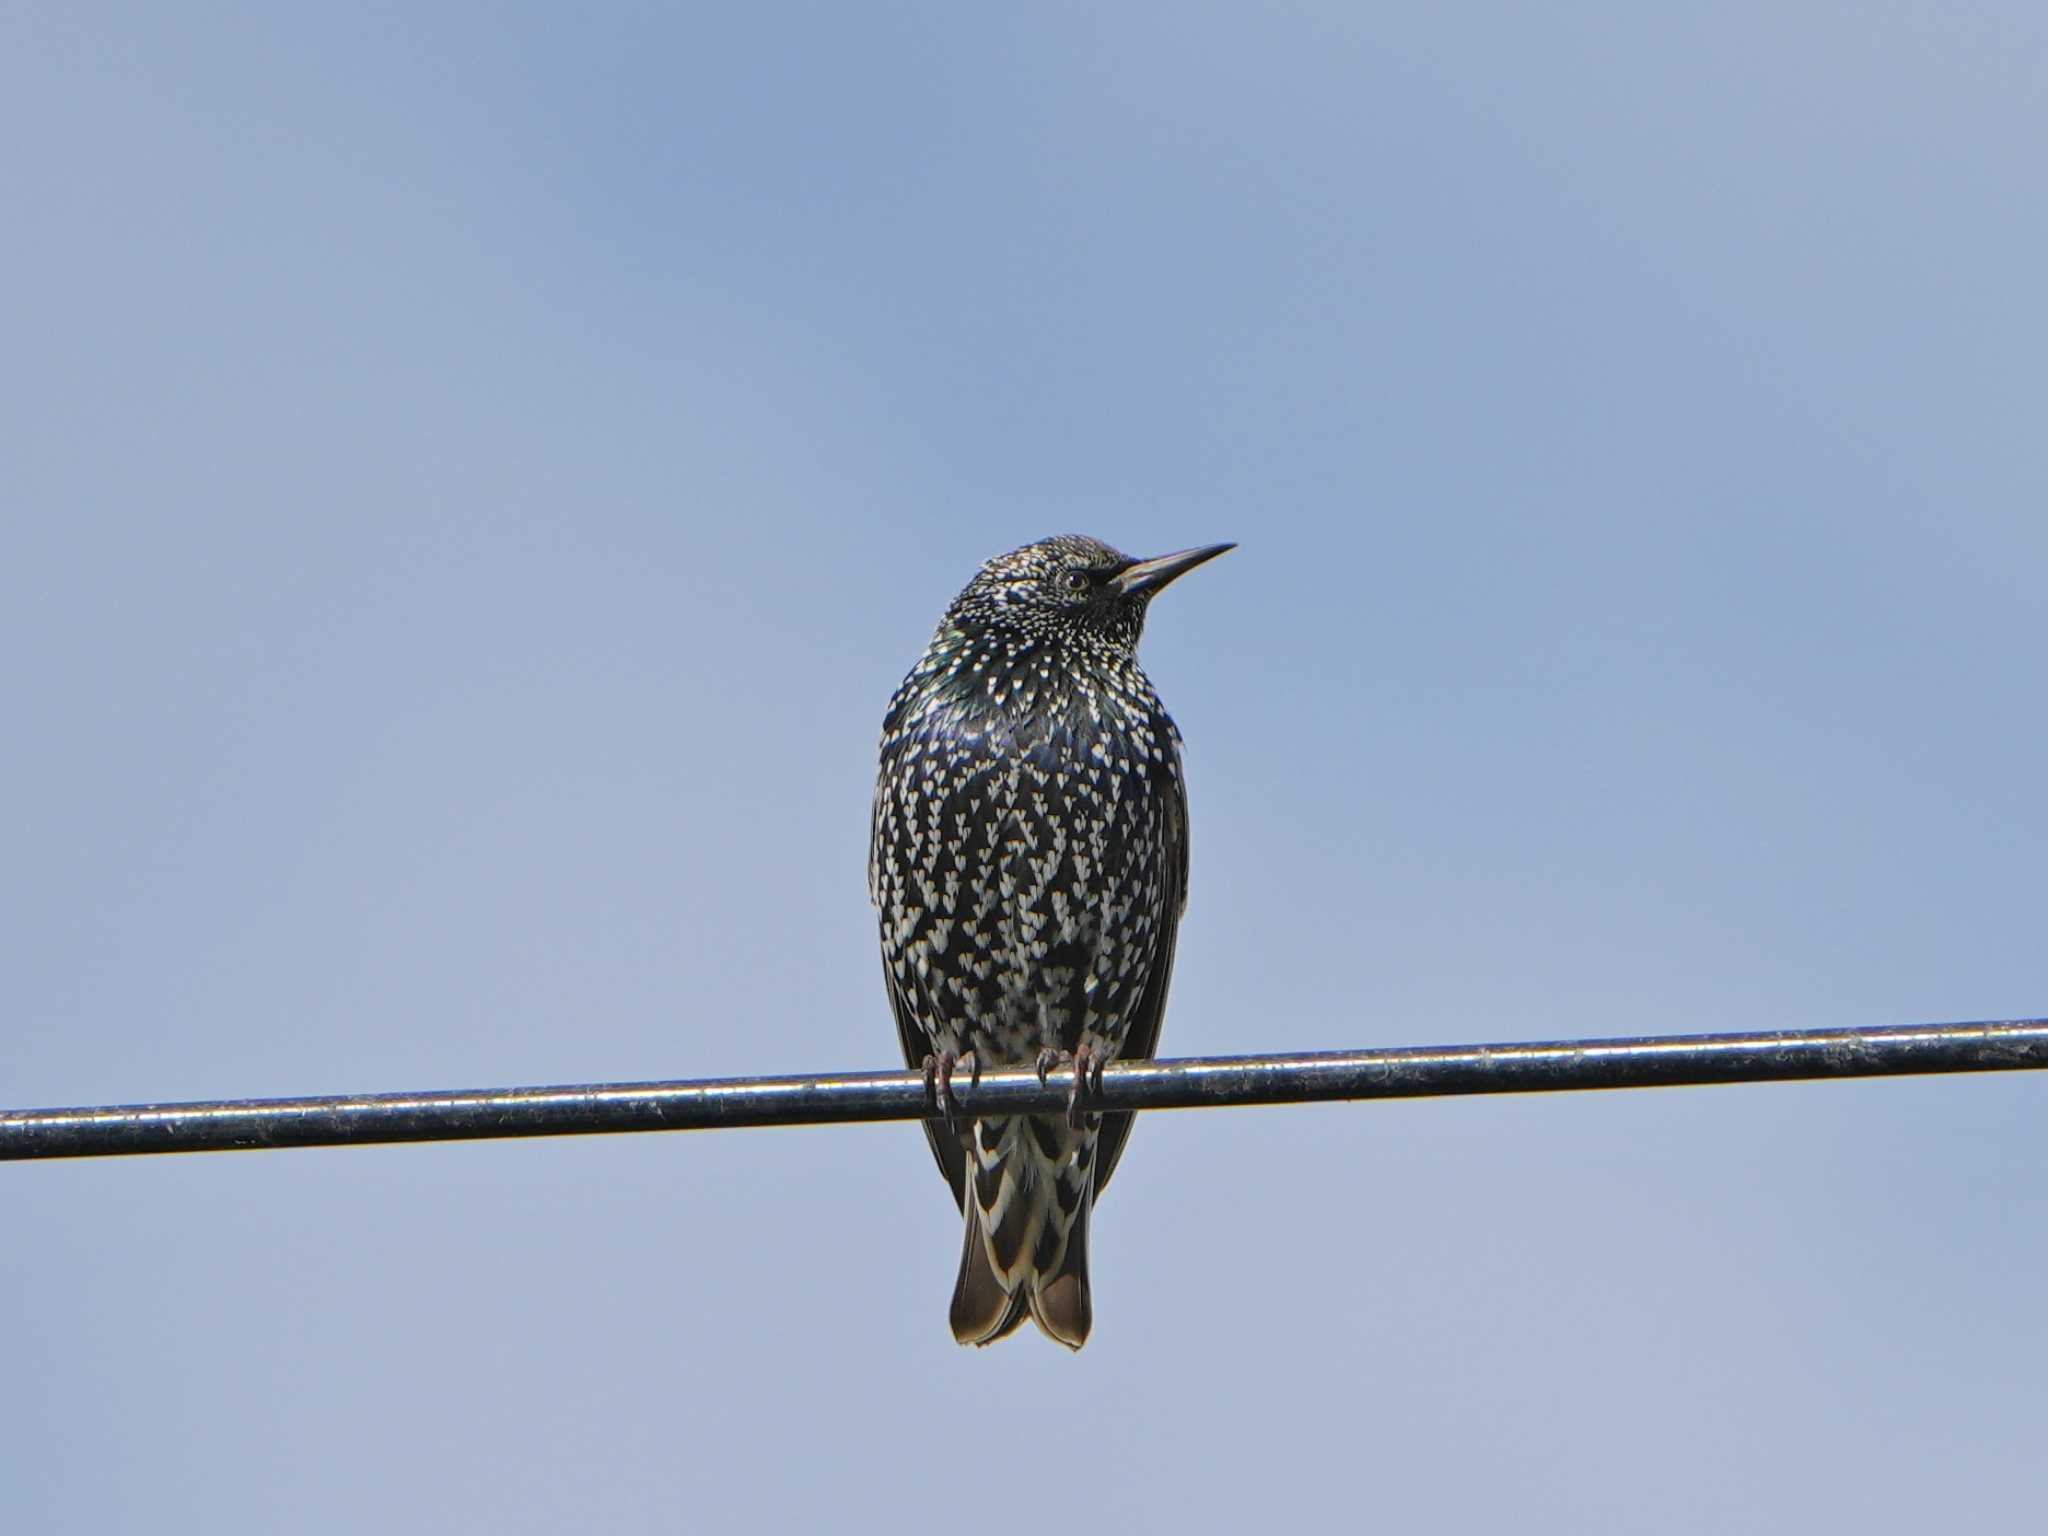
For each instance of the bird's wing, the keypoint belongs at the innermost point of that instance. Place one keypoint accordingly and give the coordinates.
(917, 1045)
(1143, 1038)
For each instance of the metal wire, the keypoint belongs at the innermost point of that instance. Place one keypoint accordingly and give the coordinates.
(1408, 1072)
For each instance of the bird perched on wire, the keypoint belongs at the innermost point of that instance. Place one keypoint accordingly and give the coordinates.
(1029, 863)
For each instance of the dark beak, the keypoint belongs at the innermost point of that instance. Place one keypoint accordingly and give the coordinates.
(1148, 576)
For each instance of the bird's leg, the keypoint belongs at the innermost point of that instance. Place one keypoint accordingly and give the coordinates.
(938, 1083)
(1087, 1065)
(938, 1087)
(1087, 1083)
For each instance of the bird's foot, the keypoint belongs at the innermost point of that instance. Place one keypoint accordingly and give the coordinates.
(938, 1083)
(1087, 1066)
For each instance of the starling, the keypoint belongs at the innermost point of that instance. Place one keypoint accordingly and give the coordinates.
(1029, 863)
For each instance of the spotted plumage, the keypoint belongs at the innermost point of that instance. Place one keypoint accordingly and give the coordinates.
(1028, 866)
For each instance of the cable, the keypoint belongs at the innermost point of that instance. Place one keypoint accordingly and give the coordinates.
(1204, 1082)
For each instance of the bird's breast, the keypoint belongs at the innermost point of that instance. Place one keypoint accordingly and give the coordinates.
(1018, 874)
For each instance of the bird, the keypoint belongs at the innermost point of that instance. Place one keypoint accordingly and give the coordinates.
(1028, 864)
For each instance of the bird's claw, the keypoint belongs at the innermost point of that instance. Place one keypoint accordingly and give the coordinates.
(938, 1084)
(1087, 1079)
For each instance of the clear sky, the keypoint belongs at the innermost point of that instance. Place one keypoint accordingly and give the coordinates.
(473, 475)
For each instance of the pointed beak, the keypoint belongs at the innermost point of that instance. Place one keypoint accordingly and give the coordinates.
(1149, 576)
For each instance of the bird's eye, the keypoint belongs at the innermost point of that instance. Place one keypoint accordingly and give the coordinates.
(1074, 581)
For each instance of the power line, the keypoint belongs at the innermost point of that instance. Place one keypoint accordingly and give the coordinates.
(1202, 1082)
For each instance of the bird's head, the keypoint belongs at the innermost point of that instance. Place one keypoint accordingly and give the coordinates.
(1071, 587)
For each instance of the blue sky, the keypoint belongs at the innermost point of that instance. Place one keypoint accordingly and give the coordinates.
(473, 478)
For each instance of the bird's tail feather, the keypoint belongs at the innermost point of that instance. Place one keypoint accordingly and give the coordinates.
(982, 1310)
(1030, 1186)
(1059, 1302)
